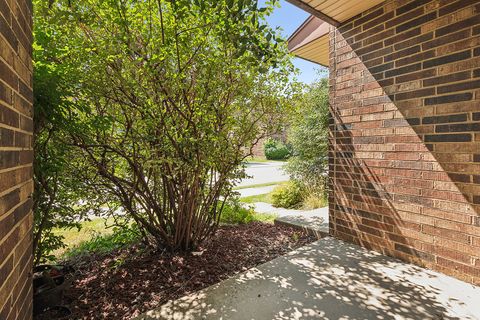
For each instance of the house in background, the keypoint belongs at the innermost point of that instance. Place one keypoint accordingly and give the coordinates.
(405, 125)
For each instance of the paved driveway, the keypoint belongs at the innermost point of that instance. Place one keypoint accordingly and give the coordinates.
(264, 172)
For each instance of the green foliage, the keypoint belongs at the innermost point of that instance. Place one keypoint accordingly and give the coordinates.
(234, 213)
(308, 137)
(105, 243)
(257, 198)
(265, 217)
(275, 150)
(167, 97)
(60, 198)
(289, 195)
(314, 198)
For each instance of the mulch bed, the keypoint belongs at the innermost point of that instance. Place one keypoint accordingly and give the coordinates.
(128, 282)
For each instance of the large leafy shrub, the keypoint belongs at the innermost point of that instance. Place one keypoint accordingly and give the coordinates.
(60, 198)
(308, 137)
(275, 150)
(169, 96)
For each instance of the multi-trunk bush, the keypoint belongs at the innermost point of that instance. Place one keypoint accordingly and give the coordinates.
(167, 98)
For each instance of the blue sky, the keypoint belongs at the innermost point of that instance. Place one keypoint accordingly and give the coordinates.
(289, 18)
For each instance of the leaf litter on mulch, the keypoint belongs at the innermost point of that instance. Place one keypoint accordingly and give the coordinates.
(130, 281)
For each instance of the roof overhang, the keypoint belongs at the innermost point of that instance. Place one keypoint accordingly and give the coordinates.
(310, 40)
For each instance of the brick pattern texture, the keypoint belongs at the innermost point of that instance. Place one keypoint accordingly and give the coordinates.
(16, 156)
(405, 133)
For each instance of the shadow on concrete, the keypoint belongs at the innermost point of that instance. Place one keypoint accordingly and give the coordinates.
(330, 279)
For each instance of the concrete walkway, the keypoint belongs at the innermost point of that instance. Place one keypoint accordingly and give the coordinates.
(329, 279)
(314, 222)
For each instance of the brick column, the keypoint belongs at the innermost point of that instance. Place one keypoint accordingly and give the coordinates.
(15, 159)
(405, 94)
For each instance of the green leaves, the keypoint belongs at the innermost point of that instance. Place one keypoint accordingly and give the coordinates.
(165, 99)
(308, 135)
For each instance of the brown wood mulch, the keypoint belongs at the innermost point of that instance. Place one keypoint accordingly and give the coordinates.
(128, 282)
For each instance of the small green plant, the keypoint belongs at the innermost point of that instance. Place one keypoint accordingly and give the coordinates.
(295, 236)
(234, 213)
(314, 197)
(289, 195)
(314, 201)
(275, 150)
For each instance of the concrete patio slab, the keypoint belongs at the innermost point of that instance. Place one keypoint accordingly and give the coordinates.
(313, 222)
(330, 279)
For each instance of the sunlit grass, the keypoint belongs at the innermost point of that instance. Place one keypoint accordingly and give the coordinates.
(104, 243)
(73, 237)
(266, 184)
(264, 217)
(257, 198)
(261, 159)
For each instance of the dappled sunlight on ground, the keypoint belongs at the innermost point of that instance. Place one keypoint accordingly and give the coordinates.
(132, 280)
(330, 279)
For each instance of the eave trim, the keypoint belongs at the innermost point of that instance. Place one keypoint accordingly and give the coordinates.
(314, 12)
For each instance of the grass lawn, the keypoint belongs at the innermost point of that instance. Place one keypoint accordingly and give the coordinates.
(267, 184)
(261, 159)
(74, 237)
(257, 198)
(264, 217)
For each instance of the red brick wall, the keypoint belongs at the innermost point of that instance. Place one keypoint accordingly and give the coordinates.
(405, 133)
(15, 159)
